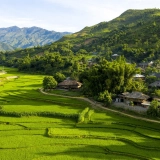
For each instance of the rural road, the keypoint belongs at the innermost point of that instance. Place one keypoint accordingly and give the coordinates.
(96, 105)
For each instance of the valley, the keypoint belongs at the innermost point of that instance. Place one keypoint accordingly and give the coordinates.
(92, 94)
(37, 126)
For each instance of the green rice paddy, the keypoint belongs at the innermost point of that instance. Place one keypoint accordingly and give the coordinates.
(34, 126)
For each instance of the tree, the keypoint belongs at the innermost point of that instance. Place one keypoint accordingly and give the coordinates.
(115, 77)
(105, 97)
(59, 77)
(157, 92)
(153, 109)
(49, 82)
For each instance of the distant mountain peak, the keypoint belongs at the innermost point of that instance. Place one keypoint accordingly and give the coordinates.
(28, 36)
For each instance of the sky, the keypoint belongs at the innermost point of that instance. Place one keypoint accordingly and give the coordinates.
(65, 15)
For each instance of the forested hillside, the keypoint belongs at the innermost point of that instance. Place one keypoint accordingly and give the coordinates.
(28, 37)
(134, 34)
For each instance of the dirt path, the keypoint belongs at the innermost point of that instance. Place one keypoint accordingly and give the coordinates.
(96, 105)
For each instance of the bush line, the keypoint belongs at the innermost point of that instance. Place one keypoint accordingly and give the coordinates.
(40, 114)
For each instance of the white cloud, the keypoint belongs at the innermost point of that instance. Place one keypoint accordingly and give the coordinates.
(21, 22)
(66, 15)
(88, 12)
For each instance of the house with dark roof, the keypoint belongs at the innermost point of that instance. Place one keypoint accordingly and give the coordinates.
(157, 75)
(137, 98)
(145, 64)
(69, 84)
(155, 84)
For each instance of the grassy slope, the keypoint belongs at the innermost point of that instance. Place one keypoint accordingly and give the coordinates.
(110, 136)
(129, 18)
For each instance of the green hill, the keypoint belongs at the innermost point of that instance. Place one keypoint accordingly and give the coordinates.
(28, 37)
(134, 34)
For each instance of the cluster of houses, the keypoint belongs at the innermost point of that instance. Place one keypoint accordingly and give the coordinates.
(137, 98)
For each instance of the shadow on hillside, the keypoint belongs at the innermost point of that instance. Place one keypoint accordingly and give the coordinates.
(35, 98)
(88, 151)
(109, 151)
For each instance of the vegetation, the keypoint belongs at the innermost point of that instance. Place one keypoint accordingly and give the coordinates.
(47, 127)
(40, 126)
(49, 82)
(108, 77)
(59, 77)
(154, 109)
(28, 37)
(101, 40)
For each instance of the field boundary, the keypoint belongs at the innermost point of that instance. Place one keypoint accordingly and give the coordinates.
(96, 105)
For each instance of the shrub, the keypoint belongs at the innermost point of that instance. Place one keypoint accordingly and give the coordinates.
(89, 114)
(153, 109)
(82, 115)
(49, 82)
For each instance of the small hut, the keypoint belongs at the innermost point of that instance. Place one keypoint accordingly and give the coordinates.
(69, 84)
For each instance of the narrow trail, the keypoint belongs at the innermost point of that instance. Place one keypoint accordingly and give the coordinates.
(95, 105)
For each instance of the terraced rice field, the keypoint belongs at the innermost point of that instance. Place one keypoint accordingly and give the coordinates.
(34, 126)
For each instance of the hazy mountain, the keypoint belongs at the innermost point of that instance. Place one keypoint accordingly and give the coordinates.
(28, 37)
(5, 47)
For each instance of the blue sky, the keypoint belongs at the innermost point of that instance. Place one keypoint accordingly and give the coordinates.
(65, 15)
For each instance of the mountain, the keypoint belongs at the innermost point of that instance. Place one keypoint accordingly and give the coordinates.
(134, 34)
(29, 37)
(5, 47)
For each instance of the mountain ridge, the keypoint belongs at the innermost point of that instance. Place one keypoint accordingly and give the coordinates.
(134, 34)
(5, 47)
(27, 37)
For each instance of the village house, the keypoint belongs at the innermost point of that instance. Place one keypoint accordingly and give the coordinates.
(157, 75)
(114, 56)
(137, 98)
(139, 76)
(145, 64)
(69, 84)
(155, 84)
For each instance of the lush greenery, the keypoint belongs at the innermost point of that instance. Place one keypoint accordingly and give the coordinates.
(49, 82)
(134, 34)
(48, 127)
(113, 77)
(154, 109)
(28, 37)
